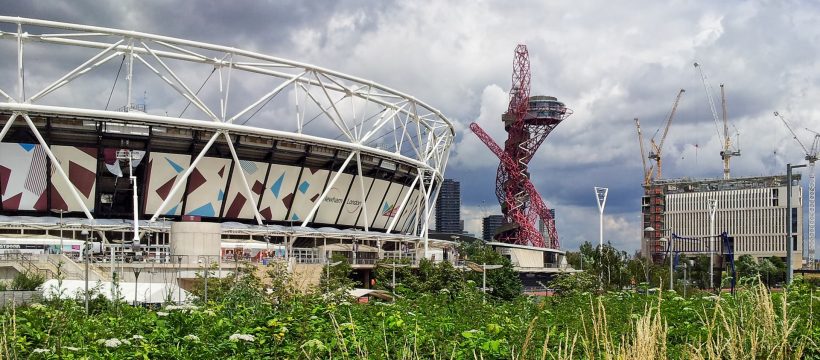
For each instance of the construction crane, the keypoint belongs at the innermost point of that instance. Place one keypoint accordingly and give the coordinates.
(811, 157)
(527, 121)
(657, 148)
(727, 152)
(647, 172)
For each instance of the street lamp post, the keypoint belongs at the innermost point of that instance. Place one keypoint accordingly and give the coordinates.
(671, 267)
(600, 196)
(61, 212)
(328, 264)
(393, 266)
(136, 283)
(789, 246)
(86, 249)
(131, 156)
(713, 204)
(483, 270)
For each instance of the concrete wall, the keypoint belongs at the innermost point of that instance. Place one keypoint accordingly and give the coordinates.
(17, 298)
(191, 240)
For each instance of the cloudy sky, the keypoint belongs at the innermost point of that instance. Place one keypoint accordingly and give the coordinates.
(608, 61)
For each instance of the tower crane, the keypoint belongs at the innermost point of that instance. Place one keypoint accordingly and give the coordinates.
(657, 148)
(811, 157)
(647, 172)
(727, 153)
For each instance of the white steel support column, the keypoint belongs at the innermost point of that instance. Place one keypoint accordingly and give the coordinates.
(7, 126)
(364, 194)
(244, 179)
(403, 203)
(71, 187)
(327, 189)
(184, 177)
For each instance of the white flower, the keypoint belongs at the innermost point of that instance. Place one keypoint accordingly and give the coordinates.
(191, 337)
(186, 307)
(138, 337)
(243, 337)
(162, 313)
(37, 306)
(71, 348)
(41, 351)
(112, 343)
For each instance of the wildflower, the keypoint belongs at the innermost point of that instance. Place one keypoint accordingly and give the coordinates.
(71, 348)
(162, 313)
(243, 337)
(314, 344)
(186, 307)
(112, 343)
(191, 337)
(677, 298)
(138, 337)
(41, 351)
(37, 306)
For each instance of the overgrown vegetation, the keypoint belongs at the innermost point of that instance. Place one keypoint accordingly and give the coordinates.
(441, 314)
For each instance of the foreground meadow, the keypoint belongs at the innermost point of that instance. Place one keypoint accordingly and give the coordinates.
(242, 321)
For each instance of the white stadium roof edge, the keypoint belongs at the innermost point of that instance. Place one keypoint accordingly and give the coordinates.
(301, 103)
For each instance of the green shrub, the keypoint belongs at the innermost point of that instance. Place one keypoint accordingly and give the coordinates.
(27, 281)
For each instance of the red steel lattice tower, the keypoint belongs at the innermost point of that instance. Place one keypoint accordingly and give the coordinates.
(528, 121)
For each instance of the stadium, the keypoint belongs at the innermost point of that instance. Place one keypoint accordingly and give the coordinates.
(284, 156)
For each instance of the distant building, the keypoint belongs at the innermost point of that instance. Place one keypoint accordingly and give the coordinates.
(448, 208)
(489, 225)
(751, 209)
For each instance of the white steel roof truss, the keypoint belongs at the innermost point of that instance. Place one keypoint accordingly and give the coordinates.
(339, 121)
(267, 96)
(187, 91)
(327, 114)
(78, 71)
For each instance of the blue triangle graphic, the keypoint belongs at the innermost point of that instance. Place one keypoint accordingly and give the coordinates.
(173, 211)
(277, 185)
(385, 207)
(174, 165)
(205, 210)
(220, 196)
(304, 186)
(294, 217)
(27, 147)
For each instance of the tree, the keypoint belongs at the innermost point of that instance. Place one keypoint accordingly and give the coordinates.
(504, 281)
(339, 278)
(746, 266)
(571, 284)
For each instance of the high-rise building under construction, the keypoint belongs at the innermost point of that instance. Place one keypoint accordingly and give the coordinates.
(751, 209)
